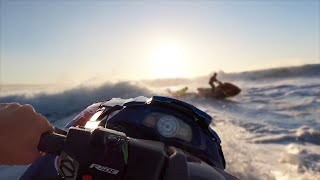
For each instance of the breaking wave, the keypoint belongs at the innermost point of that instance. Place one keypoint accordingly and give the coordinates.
(59, 105)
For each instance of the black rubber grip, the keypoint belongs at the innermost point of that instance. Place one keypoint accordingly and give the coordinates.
(51, 143)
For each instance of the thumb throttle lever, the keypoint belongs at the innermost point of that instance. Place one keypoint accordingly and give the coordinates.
(52, 143)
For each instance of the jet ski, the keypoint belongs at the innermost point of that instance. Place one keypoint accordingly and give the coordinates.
(222, 91)
(156, 138)
(180, 92)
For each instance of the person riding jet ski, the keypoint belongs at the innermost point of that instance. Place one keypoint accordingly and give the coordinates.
(213, 80)
(141, 138)
(222, 91)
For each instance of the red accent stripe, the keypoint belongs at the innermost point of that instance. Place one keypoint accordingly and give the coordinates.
(86, 177)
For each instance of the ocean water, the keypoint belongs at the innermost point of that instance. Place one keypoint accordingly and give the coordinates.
(270, 131)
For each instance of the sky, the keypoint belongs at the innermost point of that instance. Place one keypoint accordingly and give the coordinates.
(45, 42)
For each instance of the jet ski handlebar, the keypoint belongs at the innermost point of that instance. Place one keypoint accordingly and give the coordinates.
(52, 143)
(103, 153)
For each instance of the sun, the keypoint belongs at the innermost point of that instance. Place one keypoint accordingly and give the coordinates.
(168, 61)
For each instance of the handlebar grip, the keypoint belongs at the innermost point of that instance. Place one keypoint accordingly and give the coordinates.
(51, 143)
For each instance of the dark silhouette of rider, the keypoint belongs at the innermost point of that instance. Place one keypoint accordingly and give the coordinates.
(213, 80)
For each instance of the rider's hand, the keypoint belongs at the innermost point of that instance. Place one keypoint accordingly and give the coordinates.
(20, 131)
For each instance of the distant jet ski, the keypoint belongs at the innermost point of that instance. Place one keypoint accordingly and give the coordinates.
(222, 91)
(180, 92)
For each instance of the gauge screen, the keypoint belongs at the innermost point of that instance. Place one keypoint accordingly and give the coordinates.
(168, 126)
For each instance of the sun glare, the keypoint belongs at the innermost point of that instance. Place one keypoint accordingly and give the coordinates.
(168, 61)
